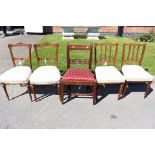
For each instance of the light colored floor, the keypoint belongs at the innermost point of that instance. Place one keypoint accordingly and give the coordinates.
(131, 112)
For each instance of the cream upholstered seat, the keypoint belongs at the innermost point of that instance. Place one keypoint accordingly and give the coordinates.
(108, 74)
(136, 73)
(16, 75)
(45, 75)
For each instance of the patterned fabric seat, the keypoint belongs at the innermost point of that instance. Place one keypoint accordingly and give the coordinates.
(79, 74)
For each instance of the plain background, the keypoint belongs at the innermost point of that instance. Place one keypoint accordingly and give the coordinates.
(77, 13)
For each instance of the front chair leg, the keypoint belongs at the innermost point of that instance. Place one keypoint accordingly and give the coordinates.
(61, 93)
(120, 94)
(5, 90)
(147, 89)
(29, 91)
(125, 87)
(33, 91)
(94, 93)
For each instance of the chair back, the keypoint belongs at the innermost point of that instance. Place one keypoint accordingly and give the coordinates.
(79, 48)
(105, 53)
(20, 46)
(133, 53)
(40, 48)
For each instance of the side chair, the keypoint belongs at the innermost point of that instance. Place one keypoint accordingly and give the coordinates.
(132, 57)
(79, 76)
(45, 74)
(105, 61)
(19, 74)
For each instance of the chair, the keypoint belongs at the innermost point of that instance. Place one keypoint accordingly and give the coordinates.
(47, 74)
(107, 75)
(134, 73)
(17, 74)
(79, 76)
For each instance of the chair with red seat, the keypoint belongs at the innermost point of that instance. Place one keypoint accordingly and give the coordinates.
(79, 76)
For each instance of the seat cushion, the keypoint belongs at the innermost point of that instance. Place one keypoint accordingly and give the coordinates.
(79, 74)
(108, 74)
(45, 75)
(15, 75)
(136, 73)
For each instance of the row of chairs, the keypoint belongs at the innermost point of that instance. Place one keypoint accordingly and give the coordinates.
(105, 55)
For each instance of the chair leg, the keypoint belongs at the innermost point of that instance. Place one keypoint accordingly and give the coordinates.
(94, 93)
(147, 89)
(5, 90)
(29, 91)
(58, 87)
(33, 91)
(61, 93)
(125, 87)
(120, 94)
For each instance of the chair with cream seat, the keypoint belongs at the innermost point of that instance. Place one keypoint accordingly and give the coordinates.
(134, 73)
(47, 74)
(108, 75)
(17, 74)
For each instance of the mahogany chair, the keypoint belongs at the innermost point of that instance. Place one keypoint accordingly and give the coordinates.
(106, 54)
(133, 54)
(17, 74)
(46, 74)
(79, 76)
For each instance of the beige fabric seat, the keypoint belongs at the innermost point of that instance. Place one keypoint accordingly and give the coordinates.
(16, 75)
(108, 74)
(136, 73)
(45, 75)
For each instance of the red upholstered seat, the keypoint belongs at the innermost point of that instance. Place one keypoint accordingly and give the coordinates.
(78, 74)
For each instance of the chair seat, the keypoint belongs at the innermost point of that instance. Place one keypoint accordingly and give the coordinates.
(136, 73)
(79, 74)
(108, 74)
(45, 75)
(16, 75)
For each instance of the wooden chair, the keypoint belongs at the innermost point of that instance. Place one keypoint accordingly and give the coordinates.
(133, 53)
(47, 74)
(107, 75)
(17, 74)
(79, 76)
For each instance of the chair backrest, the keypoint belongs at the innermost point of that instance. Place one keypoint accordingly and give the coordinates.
(19, 59)
(46, 58)
(79, 48)
(107, 53)
(133, 53)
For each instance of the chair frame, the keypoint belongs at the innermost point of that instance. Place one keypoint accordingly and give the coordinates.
(14, 59)
(69, 83)
(56, 46)
(106, 45)
(132, 60)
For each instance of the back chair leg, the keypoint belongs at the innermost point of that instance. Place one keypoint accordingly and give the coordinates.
(5, 90)
(58, 87)
(147, 89)
(120, 94)
(29, 91)
(61, 93)
(94, 93)
(33, 91)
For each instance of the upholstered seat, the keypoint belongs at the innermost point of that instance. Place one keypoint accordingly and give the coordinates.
(16, 75)
(45, 75)
(108, 74)
(136, 73)
(79, 74)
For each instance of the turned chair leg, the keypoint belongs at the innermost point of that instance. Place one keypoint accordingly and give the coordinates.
(125, 87)
(33, 91)
(5, 90)
(147, 89)
(61, 93)
(120, 94)
(94, 93)
(29, 91)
